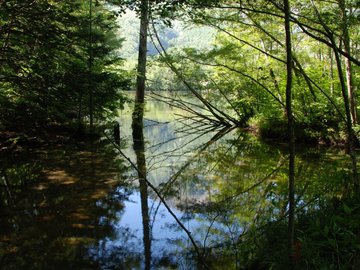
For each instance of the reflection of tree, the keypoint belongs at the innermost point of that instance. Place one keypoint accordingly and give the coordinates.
(237, 192)
(139, 148)
(144, 184)
(233, 197)
(168, 185)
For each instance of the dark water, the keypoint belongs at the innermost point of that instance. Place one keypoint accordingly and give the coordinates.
(83, 207)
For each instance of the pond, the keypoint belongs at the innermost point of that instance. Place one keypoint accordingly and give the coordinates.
(198, 198)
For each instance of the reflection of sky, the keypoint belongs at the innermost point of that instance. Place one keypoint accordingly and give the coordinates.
(166, 151)
(164, 227)
(168, 239)
(165, 148)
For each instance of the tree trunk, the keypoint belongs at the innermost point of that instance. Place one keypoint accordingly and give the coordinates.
(6, 39)
(331, 71)
(291, 220)
(91, 102)
(348, 68)
(349, 129)
(141, 68)
(137, 125)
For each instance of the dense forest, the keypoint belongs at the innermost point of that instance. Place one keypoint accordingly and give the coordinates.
(58, 64)
(282, 74)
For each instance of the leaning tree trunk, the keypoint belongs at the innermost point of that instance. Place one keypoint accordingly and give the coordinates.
(349, 128)
(291, 220)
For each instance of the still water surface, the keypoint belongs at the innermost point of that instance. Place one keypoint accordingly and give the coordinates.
(83, 206)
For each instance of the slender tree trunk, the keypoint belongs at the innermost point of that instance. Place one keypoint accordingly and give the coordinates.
(291, 220)
(331, 72)
(6, 40)
(350, 87)
(91, 102)
(141, 68)
(7, 185)
(272, 74)
(348, 68)
(349, 129)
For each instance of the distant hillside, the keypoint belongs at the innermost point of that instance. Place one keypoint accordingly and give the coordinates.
(159, 76)
(179, 36)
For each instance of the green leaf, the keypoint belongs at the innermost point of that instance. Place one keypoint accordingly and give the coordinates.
(347, 209)
(326, 230)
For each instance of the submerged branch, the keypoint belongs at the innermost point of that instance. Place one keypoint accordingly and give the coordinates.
(184, 105)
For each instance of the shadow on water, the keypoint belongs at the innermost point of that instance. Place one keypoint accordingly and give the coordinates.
(69, 208)
(69, 204)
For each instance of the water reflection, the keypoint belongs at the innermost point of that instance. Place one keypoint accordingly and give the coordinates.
(52, 221)
(87, 209)
(231, 191)
(139, 148)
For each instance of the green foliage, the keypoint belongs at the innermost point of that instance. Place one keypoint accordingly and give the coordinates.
(330, 238)
(23, 174)
(245, 67)
(173, 38)
(313, 128)
(243, 185)
(273, 129)
(45, 73)
(327, 239)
